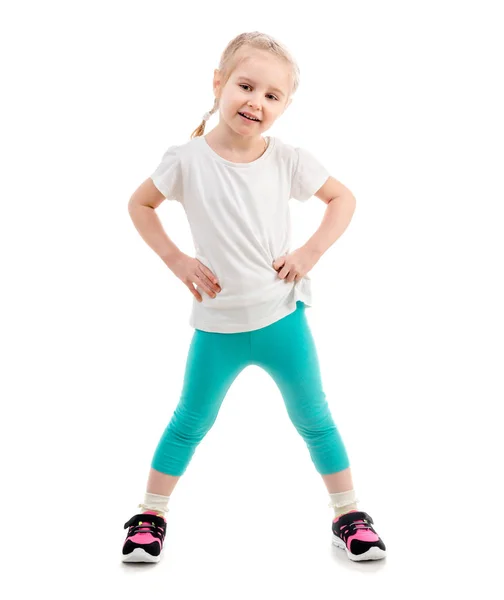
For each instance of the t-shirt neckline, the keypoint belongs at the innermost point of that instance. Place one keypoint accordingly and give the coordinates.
(211, 152)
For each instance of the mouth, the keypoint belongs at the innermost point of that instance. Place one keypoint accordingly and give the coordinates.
(249, 118)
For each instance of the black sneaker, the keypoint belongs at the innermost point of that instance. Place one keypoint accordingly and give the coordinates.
(144, 542)
(354, 532)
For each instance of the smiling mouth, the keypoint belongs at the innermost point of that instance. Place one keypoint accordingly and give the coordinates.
(245, 117)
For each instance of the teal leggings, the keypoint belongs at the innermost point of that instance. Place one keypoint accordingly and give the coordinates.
(286, 350)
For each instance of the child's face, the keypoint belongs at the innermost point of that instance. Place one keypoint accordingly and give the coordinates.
(260, 85)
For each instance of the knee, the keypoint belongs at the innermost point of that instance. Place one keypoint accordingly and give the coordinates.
(189, 426)
(315, 419)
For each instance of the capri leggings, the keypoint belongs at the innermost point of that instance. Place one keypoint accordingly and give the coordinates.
(285, 349)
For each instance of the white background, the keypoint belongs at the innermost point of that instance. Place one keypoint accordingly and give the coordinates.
(402, 102)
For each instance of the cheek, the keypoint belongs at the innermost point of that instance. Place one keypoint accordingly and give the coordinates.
(233, 103)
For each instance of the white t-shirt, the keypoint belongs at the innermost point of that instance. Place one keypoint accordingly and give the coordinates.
(240, 222)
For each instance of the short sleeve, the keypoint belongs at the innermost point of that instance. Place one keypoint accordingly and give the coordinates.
(167, 176)
(309, 176)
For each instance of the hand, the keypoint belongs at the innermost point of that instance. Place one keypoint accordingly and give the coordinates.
(191, 271)
(297, 264)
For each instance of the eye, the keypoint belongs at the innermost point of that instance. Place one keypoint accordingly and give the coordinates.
(246, 85)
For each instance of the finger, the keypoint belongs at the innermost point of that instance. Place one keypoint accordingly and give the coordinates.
(284, 272)
(210, 278)
(200, 274)
(194, 292)
(208, 273)
(203, 284)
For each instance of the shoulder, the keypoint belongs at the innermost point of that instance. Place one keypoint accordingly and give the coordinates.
(308, 174)
(182, 149)
(283, 148)
(292, 153)
(286, 153)
(168, 176)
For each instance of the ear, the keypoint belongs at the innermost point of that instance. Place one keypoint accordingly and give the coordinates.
(216, 81)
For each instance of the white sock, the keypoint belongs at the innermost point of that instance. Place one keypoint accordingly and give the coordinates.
(155, 502)
(343, 502)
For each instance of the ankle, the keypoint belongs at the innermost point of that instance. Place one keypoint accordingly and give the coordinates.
(343, 502)
(156, 503)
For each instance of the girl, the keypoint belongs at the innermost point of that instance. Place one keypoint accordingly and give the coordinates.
(251, 292)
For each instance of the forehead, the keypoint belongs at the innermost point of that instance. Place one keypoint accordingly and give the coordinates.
(262, 67)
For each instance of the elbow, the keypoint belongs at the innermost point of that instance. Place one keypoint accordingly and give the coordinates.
(132, 204)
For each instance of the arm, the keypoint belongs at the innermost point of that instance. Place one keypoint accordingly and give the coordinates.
(340, 208)
(141, 208)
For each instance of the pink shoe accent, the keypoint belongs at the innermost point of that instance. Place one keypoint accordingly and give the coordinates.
(144, 535)
(354, 532)
(362, 533)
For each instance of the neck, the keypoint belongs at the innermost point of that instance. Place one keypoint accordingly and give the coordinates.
(230, 141)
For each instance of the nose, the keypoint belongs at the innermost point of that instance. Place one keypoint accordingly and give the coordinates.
(255, 105)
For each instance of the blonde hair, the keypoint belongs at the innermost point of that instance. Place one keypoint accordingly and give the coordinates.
(230, 59)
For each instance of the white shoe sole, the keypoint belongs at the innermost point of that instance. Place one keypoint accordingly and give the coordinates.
(139, 555)
(374, 553)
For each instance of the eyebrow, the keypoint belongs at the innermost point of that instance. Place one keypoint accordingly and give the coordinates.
(250, 81)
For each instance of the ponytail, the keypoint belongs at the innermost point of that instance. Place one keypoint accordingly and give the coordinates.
(200, 130)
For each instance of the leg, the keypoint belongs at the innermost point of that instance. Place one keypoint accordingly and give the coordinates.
(214, 361)
(161, 483)
(338, 482)
(286, 350)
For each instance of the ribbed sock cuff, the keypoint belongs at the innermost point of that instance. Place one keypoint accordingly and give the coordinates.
(155, 502)
(343, 502)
